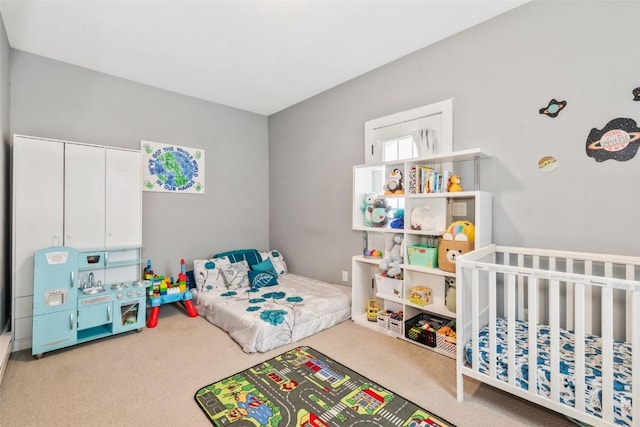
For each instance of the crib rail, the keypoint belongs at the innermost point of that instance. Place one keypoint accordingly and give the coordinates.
(588, 294)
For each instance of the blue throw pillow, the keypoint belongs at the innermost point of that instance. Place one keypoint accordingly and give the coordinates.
(265, 265)
(260, 279)
(252, 256)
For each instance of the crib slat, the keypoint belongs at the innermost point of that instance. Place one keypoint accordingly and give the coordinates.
(579, 379)
(570, 297)
(630, 275)
(588, 310)
(520, 294)
(607, 353)
(533, 334)
(493, 339)
(554, 324)
(475, 320)
(511, 327)
(635, 357)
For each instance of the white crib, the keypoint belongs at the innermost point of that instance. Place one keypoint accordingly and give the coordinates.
(567, 316)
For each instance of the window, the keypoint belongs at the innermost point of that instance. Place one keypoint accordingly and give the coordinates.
(399, 148)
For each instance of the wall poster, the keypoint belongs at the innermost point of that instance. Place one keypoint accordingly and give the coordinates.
(172, 168)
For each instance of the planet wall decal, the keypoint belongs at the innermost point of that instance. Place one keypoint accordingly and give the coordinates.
(636, 94)
(618, 140)
(554, 108)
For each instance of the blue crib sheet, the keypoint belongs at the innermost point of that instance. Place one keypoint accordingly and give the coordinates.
(593, 357)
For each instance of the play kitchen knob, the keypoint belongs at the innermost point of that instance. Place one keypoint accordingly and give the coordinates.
(119, 296)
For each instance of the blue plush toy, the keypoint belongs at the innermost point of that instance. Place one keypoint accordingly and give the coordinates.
(398, 219)
(391, 264)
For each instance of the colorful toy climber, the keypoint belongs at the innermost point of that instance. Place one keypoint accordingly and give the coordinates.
(163, 290)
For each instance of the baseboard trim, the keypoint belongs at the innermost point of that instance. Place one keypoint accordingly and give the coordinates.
(5, 352)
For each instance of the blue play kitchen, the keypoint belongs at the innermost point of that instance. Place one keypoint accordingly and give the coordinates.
(82, 296)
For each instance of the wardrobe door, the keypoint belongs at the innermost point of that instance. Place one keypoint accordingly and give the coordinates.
(38, 194)
(84, 198)
(123, 222)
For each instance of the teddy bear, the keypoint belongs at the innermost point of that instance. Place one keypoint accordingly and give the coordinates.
(367, 208)
(392, 263)
(393, 185)
(454, 184)
(379, 212)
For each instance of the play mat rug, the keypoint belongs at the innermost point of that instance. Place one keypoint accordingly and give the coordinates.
(303, 387)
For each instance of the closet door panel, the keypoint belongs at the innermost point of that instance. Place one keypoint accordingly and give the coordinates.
(84, 201)
(123, 220)
(38, 194)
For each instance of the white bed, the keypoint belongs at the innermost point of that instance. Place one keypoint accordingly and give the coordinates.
(262, 318)
(569, 317)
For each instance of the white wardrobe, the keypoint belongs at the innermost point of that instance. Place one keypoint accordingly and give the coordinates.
(68, 193)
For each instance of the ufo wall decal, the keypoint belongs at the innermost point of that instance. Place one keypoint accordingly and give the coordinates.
(554, 108)
(547, 164)
(618, 140)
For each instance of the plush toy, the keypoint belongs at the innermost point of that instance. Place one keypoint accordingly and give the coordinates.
(392, 263)
(367, 207)
(421, 220)
(398, 219)
(453, 185)
(451, 294)
(380, 212)
(393, 185)
(461, 231)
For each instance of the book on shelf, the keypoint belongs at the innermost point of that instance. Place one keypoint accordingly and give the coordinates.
(428, 180)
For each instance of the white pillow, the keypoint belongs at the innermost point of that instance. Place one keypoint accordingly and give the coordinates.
(276, 259)
(236, 274)
(208, 274)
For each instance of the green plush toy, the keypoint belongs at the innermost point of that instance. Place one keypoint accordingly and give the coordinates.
(367, 207)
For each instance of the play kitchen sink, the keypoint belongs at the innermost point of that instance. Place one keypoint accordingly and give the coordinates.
(82, 296)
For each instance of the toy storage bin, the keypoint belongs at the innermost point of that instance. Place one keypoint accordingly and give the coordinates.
(389, 286)
(449, 250)
(414, 331)
(383, 320)
(423, 255)
(395, 325)
(444, 342)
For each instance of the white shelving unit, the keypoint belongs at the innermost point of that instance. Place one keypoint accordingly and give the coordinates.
(471, 205)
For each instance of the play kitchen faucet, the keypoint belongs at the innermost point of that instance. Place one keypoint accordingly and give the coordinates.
(90, 284)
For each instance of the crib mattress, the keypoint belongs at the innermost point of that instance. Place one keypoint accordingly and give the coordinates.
(593, 358)
(269, 317)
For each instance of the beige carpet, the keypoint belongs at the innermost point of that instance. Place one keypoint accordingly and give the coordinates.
(149, 378)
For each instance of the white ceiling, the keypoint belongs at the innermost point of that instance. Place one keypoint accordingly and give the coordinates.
(260, 56)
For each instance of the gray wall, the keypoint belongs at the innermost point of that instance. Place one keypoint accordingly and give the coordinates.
(61, 101)
(5, 154)
(500, 74)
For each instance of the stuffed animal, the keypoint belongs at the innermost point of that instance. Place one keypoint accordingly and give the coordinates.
(392, 263)
(398, 218)
(453, 185)
(461, 231)
(421, 220)
(367, 208)
(380, 212)
(451, 294)
(393, 185)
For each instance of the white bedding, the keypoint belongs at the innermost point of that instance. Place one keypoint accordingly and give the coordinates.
(272, 316)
